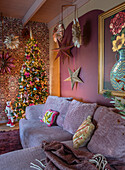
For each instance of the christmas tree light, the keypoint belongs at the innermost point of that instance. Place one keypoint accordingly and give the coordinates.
(33, 82)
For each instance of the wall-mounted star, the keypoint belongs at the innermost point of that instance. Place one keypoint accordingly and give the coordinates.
(63, 51)
(74, 77)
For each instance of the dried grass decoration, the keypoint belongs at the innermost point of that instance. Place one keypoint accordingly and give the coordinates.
(12, 41)
(58, 32)
(76, 33)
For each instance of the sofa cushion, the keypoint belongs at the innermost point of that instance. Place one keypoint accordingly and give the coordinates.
(50, 117)
(70, 144)
(83, 133)
(59, 104)
(109, 137)
(32, 133)
(76, 114)
(33, 112)
(98, 114)
(21, 159)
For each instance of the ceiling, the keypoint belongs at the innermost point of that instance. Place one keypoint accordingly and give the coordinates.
(35, 10)
(49, 10)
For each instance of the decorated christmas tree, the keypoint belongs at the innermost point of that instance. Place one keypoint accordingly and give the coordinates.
(33, 82)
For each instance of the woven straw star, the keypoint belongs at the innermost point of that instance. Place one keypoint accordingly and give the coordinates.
(74, 77)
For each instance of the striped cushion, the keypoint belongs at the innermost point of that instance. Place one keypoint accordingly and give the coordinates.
(83, 133)
(50, 117)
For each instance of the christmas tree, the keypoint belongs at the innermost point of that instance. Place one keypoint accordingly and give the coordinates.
(33, 82)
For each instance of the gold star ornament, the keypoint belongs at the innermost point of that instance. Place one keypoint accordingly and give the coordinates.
(74, 77)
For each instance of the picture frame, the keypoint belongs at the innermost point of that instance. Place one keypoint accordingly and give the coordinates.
(106, 56)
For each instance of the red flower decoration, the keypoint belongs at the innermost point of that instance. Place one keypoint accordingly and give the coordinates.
(38, 88)
(26, 74)
(6, 62)
(117, 23)
(31, 104)
(28, 57)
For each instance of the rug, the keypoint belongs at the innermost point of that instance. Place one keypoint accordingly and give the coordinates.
(9, 141)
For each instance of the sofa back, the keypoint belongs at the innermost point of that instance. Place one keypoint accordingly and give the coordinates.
(77, 112)
(109, 136)
(34, 112)
(59, 104)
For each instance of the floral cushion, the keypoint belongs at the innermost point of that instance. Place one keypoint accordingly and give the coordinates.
(50, 117)
(83, 133)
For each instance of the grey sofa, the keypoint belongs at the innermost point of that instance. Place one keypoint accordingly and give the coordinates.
(33, 132)
(108, 138)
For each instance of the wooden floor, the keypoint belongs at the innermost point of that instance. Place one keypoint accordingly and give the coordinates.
(3, 127)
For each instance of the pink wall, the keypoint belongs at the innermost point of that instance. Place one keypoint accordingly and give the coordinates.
(87, 58)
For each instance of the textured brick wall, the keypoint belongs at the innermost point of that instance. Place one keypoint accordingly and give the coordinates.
(9, 82)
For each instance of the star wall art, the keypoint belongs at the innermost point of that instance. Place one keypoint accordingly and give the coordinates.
(63, 51)
(74, 77)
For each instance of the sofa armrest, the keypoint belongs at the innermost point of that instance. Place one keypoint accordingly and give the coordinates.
(33, 112)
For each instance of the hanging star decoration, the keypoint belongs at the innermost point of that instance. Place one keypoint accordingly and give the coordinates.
(63, 51)
(74, 77)
(6, 63)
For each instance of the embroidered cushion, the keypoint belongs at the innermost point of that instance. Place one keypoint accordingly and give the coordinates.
(60, 104)
(83, 133)
(50, 117)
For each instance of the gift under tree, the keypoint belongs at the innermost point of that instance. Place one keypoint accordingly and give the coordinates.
(33, 82)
